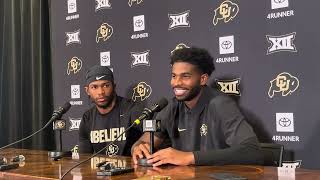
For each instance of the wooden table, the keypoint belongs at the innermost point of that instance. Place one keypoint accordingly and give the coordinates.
(38, 166)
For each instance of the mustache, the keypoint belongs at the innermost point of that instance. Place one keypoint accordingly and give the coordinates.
(179, 87)
(104, 97)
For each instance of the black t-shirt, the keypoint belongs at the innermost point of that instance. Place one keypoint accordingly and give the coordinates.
(214, 123)
(97, 130)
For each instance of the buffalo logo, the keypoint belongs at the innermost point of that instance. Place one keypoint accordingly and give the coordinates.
(142, 91)
(102, 4)
(226, 11)
(104, 32)
(130, 2)
(75, 149)
(73, 37)
(74, 65)
(140, 58)
(229, 86)
(179, 46)
(281, 43)
(179, 20)
(112, 150)
(75, 152)
(74, 123)
(59, 125)
(284, 83)
(203, 130)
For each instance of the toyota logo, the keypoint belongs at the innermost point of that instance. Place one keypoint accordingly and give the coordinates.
(226, 44)
(284, 122)
(75, 91)
(105, 58)
(138, 23)
(72, 5)
(279, 1)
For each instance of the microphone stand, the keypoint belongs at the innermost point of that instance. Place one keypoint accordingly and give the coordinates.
(59, 125)
(150, 126)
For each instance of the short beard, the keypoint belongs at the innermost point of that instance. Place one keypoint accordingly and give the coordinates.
(193, 93)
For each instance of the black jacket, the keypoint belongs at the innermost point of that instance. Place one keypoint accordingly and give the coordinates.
(214, 130)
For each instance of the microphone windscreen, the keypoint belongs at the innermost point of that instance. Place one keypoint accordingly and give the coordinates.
(163, 102)
(66, 107)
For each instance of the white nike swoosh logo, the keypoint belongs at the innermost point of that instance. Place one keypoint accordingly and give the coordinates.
(98, 78)
(121, 115)
(180, 130)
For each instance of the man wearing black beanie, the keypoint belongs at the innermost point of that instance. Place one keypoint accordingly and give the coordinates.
(110, 116)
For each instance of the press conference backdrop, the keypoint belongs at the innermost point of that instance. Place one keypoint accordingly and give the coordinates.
(265, 53)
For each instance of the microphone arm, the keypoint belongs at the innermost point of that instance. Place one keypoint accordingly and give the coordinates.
(56, 114)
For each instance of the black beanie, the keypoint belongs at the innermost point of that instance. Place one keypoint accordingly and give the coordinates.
(96, 73)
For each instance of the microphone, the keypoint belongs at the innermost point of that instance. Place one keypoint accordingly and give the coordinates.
(60, 111)
(15, 162)
(56, 114)
(147, 113)
(151, 125)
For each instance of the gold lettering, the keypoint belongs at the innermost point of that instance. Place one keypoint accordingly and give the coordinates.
(282, 83)
(116, 162)
(225, 10)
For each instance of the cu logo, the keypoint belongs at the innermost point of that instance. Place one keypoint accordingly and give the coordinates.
(112, 150)
(279, 1)
(284, 122)
(142, 91)
(226, 44)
